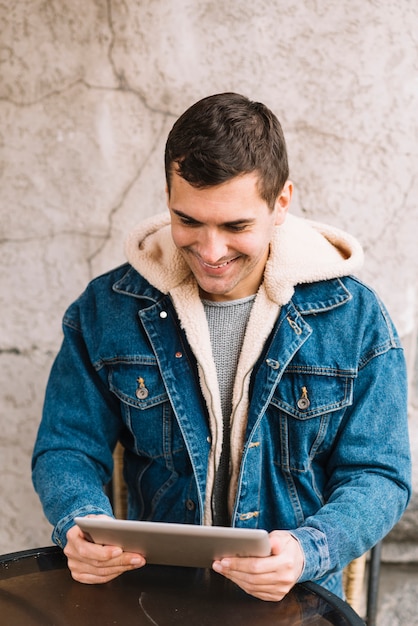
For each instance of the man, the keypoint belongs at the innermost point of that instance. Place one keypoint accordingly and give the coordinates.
(251, 379)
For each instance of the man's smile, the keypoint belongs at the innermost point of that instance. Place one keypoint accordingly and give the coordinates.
(217, 266)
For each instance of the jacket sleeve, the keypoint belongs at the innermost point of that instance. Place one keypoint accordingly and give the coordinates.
(369, 470)
(72, 458)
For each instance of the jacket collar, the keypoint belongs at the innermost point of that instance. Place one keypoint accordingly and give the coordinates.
(308, 299)
(301, 252)
(321, 296)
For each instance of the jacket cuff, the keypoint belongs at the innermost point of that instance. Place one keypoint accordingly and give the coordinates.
(59, 534)
(314, 545)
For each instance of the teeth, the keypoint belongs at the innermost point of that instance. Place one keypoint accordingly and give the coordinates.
(215, 266)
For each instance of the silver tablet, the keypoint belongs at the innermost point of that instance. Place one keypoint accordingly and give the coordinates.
(176, 544)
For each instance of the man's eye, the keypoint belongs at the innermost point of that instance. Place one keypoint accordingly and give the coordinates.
(237, 228)
(188, 222)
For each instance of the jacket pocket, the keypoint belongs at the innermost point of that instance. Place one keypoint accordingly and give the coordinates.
(311, 404)
(146, 410)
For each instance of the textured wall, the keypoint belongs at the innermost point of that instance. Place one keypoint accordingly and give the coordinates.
(88, 92)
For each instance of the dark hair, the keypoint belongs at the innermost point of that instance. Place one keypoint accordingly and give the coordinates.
(226, 135)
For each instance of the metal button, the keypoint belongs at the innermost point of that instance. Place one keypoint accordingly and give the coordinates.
(141, 391)
(246, 516)
(190, 505)
(179, 355)
(163, 314)
(303, 402)
(294, 325)
(273, 364)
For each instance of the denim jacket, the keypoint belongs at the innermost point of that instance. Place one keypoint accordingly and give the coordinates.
(322, 449)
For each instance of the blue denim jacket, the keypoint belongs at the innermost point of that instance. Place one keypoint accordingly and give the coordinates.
(335, 469)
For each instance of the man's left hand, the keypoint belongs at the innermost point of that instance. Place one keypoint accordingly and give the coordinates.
(267, 578)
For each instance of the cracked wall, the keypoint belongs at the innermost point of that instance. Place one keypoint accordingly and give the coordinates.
(88, 93)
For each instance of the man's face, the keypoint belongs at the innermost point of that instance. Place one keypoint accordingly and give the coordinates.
(223, 233)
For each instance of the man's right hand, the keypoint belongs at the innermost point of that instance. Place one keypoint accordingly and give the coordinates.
(92, 563)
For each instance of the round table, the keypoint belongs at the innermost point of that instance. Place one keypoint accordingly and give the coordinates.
(36, 589)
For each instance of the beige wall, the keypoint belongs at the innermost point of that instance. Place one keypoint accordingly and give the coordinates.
(88, 92)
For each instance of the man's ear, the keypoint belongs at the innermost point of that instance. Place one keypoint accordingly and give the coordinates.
(283, 202)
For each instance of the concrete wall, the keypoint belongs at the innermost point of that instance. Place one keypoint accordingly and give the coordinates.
(88, 92)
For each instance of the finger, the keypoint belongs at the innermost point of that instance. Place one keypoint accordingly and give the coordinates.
(256, 566)
(251, 577)
(95, 575)
(270, 589)
(103, 571)
(122, 560)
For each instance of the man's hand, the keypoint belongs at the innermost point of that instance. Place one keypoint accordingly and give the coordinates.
(92, 563)
(267, 578)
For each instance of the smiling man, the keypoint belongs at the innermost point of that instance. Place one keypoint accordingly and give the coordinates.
(251, 378)
(223, 232)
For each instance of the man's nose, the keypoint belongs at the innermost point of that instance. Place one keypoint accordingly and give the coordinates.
(213, 247)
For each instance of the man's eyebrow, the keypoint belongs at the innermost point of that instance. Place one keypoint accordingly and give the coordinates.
(239, 222)
(185, 216)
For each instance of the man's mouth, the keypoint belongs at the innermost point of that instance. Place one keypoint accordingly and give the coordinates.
(218, 265)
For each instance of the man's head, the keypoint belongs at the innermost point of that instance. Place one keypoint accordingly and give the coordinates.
(227, 189)
(224, 136)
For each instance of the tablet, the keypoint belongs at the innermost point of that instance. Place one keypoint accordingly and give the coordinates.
(176, 544)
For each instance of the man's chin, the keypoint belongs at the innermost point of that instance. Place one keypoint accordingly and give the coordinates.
(217, 292)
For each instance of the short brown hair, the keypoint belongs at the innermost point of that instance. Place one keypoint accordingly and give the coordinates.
(226, 135)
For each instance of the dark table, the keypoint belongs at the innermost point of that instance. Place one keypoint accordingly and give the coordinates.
(36, 589)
